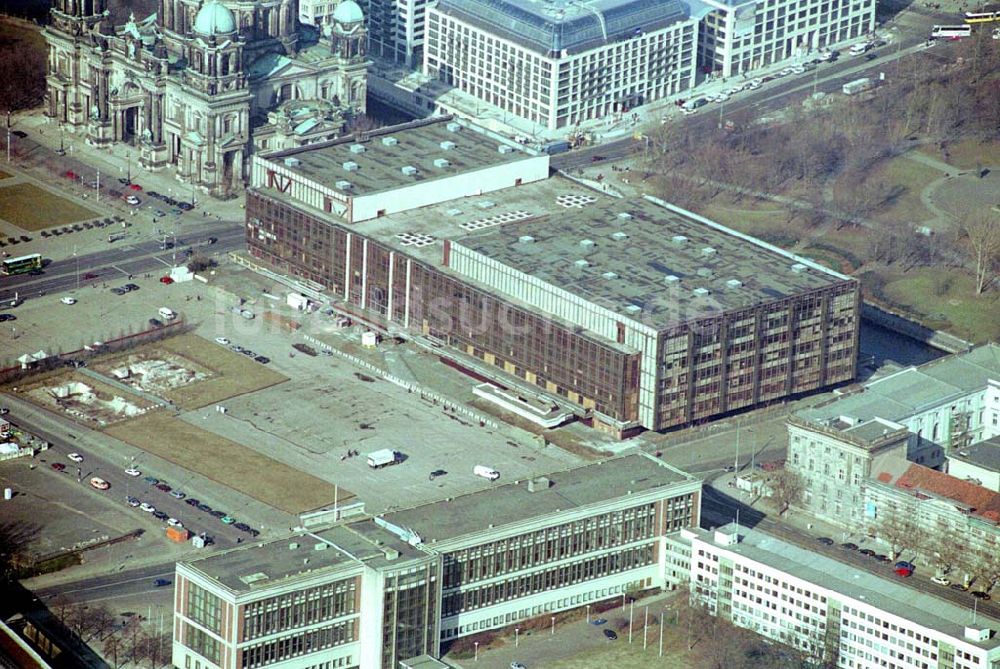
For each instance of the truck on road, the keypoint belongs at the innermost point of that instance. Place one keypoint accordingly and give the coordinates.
(383, 458)
(858, 85)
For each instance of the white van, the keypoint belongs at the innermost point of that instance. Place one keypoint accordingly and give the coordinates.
(167, 314)
(486, 472)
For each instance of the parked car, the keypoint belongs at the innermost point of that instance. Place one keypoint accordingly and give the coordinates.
(155, 322)
(118, 291)
(216, 513)
(135, 186)
(826, 541)
(173, 522)
(206, 508)
(151, 480)
(153, 193)
(147, 507)
(99, 483)
(185, 206)
(132, 501)
(159, 515)
(598, 621)
(58, 466)
(978, 594)
(7, 317)
(88, 276)
(849, 546)
(867, 551)
(130, 287)
(517, 665)
(242, 527)
(192, 501)
(177, 494)
(133, 200)
(161, 582)
(228, 520)
(940, 580)
(222, 340)
(262, 359)
(75, 457)
(611, 635)
(166, 280)
(163, 487)
(132, 471)
(68, 300)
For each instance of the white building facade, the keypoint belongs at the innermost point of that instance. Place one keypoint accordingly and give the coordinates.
(396, 30)
(562, 63)
(739, 37)
(831, 611)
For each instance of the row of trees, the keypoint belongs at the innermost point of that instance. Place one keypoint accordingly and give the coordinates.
(132, 640)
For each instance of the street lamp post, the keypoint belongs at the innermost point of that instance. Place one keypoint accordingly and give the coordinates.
(588, 613)
(8, 135)
(631, 610)
(517, 634)
(128, 167)
(476, 644)
(553, 625)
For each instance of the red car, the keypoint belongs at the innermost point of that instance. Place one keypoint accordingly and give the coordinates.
(135, 186)
(58, 466)
(88, 276)
(70, 174)
(166, 280)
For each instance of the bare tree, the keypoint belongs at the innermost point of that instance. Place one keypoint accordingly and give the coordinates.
(980, 237)
(787, 488)
(899, 530)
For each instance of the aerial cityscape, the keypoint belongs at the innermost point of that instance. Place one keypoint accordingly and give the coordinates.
(499, 334)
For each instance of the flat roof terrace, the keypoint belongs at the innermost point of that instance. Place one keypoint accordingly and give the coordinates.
(375, 161)
(887, 594)
(514, 502)
(649, 262)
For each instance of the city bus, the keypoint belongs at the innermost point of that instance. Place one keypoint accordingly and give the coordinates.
(951, 32)
(21, 265)
(983, 17)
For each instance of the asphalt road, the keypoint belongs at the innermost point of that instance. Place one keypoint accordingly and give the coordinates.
(719, 508)
(772, 97)
(118, 261)
(120, 584)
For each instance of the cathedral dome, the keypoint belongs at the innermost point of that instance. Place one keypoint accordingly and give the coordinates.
(348, 11)
(214, 18)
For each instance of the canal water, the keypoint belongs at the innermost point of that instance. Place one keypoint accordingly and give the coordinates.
(886, 345)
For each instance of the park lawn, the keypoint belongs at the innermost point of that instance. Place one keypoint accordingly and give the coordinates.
(771, 225)
(967, 154)
(229, 463)
(234, 374)
(909, 174)
(948, 295)
(32, 208)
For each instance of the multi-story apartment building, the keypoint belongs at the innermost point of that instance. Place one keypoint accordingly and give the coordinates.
(634, 311)
(739, 37)
(374, 592)
(831, 611)
(917, 415)
(979, 463)
(559, 63)
(396, 30)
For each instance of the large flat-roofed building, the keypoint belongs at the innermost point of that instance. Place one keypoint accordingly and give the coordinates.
(376, 591)
(634, 311)
(561, 62)
(848, 617)
(737, 37)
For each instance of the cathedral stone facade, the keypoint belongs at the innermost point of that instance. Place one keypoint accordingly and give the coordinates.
(191, 85)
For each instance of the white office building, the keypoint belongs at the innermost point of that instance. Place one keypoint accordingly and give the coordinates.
(851, 618)
(396, 30)
(562, 62)
(738, 37)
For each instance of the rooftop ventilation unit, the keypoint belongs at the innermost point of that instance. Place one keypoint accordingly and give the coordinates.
(320, 547)
(633, 308)
(408, 170)
(350, 166)
(679, 239)
(619, 236)
(581, 263)
(704, 272)
(610, 275)
(526, 239)
(587, 243)
(389, 141)
(625, 216)
(447, 146)
(454, 127)
(454, 212)
(708, 251)
(357, 148)
(292, 162)
(504, 149)
(798, 268)
(700, 292)
(486, 204)
(672, 279)
(441, 162)
(344, 184)
(734, 283)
